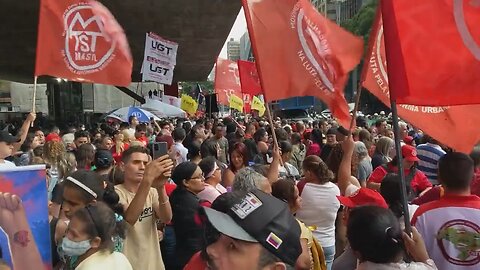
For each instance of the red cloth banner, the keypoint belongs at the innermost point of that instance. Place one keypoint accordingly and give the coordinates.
(227, 80)
(433, 51)
(301, 53)
(455, 126)
(81, 41)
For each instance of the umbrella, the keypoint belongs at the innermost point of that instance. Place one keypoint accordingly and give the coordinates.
(162, 109)
(124, 113)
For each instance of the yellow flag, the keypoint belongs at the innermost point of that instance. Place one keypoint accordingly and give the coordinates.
(236, 103)
(258, 105)
(189, 104)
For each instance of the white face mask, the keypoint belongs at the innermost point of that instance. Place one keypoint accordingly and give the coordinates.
(72, 248)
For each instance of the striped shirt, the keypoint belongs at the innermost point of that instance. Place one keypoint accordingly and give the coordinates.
(428, 155)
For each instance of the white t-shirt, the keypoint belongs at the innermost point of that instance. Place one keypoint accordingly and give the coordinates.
(7, 165)
(105, 260)
(319, 209)
(292, 171)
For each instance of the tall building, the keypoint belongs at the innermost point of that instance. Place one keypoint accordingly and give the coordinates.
(233, 50)
(246, 48)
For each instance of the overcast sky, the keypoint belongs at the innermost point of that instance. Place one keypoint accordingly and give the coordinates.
(238, 29)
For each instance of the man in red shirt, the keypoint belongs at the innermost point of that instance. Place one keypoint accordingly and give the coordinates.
(449, 226)
(418, 181)
(438, 191)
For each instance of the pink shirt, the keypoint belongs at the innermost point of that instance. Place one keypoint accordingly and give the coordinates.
(210, 193)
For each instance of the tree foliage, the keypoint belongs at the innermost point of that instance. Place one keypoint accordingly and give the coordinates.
(188, 87)
(362, 22)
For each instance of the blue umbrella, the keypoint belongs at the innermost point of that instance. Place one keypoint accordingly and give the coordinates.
(124, 113)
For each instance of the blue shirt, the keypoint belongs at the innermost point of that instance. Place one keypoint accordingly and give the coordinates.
(428, 155)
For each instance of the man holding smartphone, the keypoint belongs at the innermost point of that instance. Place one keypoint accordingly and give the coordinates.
(145, 201)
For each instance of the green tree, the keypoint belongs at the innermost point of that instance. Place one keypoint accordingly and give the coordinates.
(361, 23)
(188, 87)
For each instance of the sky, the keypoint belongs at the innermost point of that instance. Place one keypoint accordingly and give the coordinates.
(238, 29)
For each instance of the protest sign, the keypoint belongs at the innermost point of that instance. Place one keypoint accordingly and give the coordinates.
(29, 183)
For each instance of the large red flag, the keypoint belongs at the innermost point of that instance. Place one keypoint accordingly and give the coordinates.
(227, 80)
(249, 78)
(433, 51)
(455, 126)
(301, 53)
(82, 41)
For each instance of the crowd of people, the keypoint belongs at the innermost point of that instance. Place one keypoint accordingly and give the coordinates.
(242, 194)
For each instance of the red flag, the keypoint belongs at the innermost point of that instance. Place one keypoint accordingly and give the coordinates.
(301, 53)
(433, 51)
(227, 80)
(249, 78)
(82, 41)
(455, 126)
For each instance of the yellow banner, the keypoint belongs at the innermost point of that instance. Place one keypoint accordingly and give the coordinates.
(236, 103)
(258, 105)
(189, 104)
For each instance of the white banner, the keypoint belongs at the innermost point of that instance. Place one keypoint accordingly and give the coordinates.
(159, 60)
(156, 70)
(160, 48)
(174, 101)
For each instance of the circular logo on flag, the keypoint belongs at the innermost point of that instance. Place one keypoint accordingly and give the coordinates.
(458, 242)
(87, 48)
(462, 25)
(316, 54)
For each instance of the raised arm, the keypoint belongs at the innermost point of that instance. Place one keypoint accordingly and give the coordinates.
(345, 169)
(13, 221)
(22, 133)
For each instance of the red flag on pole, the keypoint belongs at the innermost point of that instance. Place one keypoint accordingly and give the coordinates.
(249, 78)
(82, 41)
(455, 126)
(300, 53)
(227, 80)
(433, 47)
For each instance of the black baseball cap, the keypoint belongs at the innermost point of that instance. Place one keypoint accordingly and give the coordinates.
(7, 137)
(264, 219)
(103, 159)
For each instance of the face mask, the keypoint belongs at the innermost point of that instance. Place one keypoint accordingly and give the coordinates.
(72, 248)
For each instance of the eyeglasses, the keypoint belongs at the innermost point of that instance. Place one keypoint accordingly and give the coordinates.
(201, 177)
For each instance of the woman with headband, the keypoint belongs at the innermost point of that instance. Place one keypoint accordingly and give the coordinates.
(83, 188)
(89, 241)
(213, 176)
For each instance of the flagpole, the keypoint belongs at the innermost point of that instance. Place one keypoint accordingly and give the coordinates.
(34, 97)
(398, 152)
(357, 103)
(396, 131)
(259, 72)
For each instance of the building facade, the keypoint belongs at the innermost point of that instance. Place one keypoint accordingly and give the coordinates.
(246, 52)
(233, 50)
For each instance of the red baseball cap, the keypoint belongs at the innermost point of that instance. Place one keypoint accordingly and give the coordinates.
(409, 153)
(53, 137)
(363, 196)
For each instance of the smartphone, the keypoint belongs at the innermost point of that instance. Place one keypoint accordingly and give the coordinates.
(159, 149)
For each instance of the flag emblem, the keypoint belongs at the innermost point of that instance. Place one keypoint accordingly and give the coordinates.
(274, 240)
(87, 46)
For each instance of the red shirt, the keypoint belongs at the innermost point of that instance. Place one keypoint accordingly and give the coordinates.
(437, 192)
(418, 184)
(196, 263)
